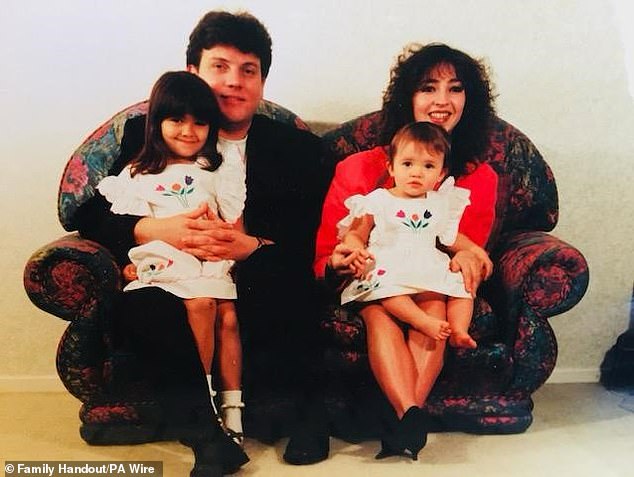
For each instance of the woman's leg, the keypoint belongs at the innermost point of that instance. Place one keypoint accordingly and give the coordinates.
(459, 311)
(201, 315)
(390, 358)
(428, 354)
(406, 310)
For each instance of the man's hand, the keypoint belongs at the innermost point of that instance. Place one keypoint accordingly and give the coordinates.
(169, 229)
(214, 239)
(475, 266)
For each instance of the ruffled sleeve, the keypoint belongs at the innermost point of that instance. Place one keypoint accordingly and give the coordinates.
(230, 186)
(457, 200)
(358, 205)
(122, 192)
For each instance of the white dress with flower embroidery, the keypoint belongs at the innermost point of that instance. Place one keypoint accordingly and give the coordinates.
(179, 188)
(403, 243)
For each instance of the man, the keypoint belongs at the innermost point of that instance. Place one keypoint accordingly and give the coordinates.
(277, 304)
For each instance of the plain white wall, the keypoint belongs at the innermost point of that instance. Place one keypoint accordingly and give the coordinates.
(560, 68)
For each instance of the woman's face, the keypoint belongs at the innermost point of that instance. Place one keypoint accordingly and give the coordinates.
(440, 97)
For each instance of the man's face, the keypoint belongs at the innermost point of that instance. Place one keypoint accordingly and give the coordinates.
(236, 80)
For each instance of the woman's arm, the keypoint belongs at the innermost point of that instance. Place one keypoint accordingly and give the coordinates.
(468, 254)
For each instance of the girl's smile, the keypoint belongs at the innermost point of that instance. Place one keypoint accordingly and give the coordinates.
(184, 136)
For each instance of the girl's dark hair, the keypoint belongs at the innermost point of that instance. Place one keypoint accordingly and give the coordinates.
(174, 95)
(429, 135)
(240, 30)
(470, 136)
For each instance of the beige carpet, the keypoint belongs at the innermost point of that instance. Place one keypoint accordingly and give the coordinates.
(578, 430)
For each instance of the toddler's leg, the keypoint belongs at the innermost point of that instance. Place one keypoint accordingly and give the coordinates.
(459, 311)
(201, 314)
(405, 309)
(230, 367)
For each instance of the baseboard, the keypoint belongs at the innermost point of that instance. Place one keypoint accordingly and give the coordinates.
(31, 384)
(574, 375)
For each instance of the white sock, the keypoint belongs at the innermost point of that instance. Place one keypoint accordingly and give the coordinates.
(212, 395)
(231, 410)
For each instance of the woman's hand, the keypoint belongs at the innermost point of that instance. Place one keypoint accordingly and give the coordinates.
(346, 260)
(475, 266)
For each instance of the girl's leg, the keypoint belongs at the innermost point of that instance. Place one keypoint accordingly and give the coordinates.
(428, 354)
(229, 347)
(153, 324)
(459, 311)
(201, 315)
(390, 358)
(405, 309)
(229, 351)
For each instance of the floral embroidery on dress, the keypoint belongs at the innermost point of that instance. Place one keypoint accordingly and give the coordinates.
(150, 270)
(414, 221)
(178, 190)
(370, 282)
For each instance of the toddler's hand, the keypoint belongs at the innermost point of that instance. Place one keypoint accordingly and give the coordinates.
(359, 264)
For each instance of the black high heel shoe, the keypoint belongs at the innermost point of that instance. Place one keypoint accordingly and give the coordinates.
(407, 438)
(217, 456)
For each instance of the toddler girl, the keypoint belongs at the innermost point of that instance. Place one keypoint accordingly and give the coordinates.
(393, 233)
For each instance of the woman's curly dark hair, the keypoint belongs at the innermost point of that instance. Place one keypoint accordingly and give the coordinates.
(469, 139)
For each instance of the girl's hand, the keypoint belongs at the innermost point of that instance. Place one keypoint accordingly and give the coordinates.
(129, 272)
(346, 261)
(359, 264)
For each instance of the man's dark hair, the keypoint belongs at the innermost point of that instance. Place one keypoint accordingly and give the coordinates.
(240, 30)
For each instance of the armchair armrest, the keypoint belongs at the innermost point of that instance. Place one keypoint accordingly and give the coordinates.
(545, 273)
(71, 277)
(537, 276)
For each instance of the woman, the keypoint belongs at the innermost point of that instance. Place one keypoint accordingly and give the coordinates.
(438, 84)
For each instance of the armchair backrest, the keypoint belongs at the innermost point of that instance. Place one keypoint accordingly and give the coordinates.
(527, 193)
(93, 159)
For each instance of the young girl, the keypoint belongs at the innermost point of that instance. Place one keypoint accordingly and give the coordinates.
(401, 266)
(178, 168)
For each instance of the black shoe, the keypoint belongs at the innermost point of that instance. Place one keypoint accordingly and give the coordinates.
(206, 470)
(305, 448)
(217, 456)
(408, 437)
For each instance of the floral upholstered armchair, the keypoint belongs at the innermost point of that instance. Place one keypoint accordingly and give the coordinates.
(487, 390)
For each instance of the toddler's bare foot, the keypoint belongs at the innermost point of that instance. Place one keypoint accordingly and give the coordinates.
(434, 328)
(462, 340)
